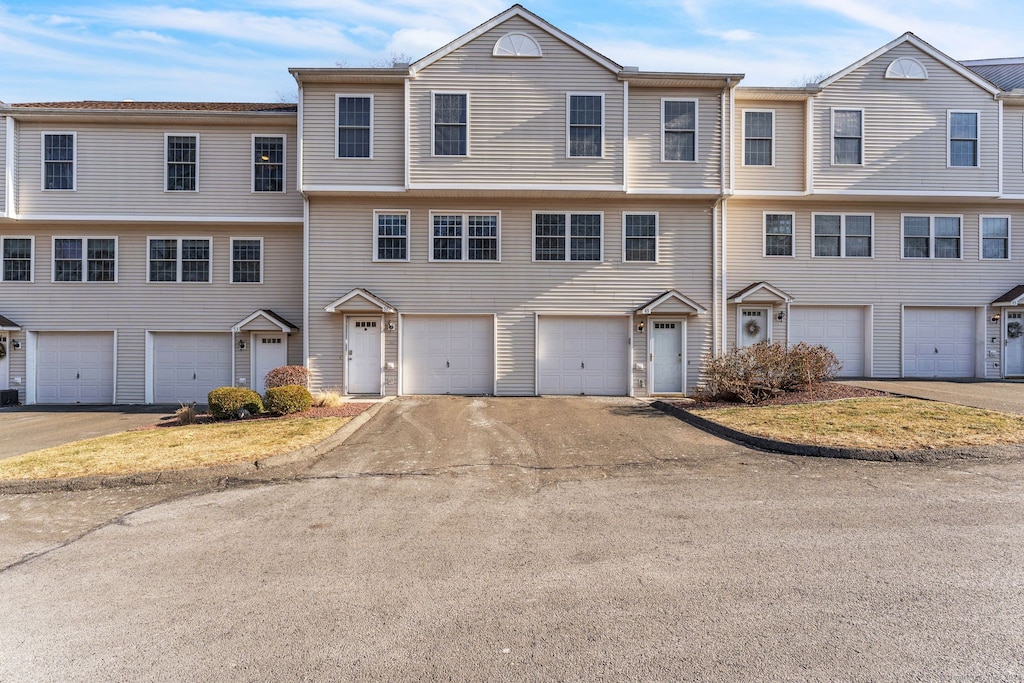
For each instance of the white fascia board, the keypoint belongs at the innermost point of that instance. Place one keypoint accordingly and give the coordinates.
(546, 187)
(700, 191)
(904, 193)
(352, 188)
(157, 219)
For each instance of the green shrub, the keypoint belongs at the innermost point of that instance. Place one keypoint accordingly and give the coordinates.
(287, 375)
(753, 374)
(288, 399)
(229, 403)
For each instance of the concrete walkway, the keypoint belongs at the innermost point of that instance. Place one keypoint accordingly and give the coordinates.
(1007, 397)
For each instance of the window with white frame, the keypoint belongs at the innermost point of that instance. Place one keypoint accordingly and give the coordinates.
(843, 235)
(268, 163)
(778, 234)
(640, 237)
(85, 259)
(391, 236)
(59, 161)
(847, 137)
(182, 157)
(586, 125)
(464, 237)
(567, 237)
(679, 130)
(179, 259)
(963, 138)
(355, 126)
(17, 257)
(451, 124)
(759, 137)
(932, 237)
(995, 237)
(246, 260)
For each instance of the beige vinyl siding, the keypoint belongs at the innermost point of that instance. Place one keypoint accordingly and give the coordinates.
(516, 289)
(646, 169)
(886, 281)
(320, 137)
(120, 172)
(517, 114)
(1013, 149)
(788, 174)
(905, 139)
(132, 305)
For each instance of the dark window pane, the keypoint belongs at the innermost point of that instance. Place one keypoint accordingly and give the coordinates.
(354, 127)
(549, 237)
(826, 245)
(679, 146)
(585, 237)
(757, 153)
(163, 260)
(181, 163)
(483, 238)
(245, 260)
(392, 237)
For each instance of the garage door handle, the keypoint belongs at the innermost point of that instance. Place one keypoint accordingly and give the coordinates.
(936, 350)
(193, 375)
(78, 375)
(582, 366)
(447, 363)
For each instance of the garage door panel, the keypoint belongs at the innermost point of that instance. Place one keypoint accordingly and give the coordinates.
(583, 355)
(75, 367)
(938, 342)
(839, 328)
(187, 366)
(447, 354)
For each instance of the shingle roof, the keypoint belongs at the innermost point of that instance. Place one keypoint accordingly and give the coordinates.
(164, 106)
(8, 323)
(1008, 74)
(1011, 298)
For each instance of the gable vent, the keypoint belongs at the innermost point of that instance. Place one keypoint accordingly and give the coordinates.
(907, 69)
(516, 45)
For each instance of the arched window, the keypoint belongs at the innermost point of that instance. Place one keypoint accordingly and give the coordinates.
(906, 68)
(516, 45)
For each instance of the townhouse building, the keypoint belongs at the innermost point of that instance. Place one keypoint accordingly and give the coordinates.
(515, 214)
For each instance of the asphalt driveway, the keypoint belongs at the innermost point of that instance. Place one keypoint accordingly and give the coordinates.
(1007, 397)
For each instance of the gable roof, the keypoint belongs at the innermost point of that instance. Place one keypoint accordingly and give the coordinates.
(1011, 298)
(8, 324)
(940, 57)
(749, 291)
(670, 295)
(364, 294)
(513, 11)
(267, 315)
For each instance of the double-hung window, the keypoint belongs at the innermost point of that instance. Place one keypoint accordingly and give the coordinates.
(390, 235)
(247, 260)
(451, 124)
(181, 155)
(567, 237)
(355, 126)
(759, 137)
(174, 259)
(679, 130)
(845, 235)
(464, 237)
(585, 123)
(640, 237)
(778, 234)
(995, 237)
(17, 256)
(59, 161)
(848, 137)
(268, 163)
(963, 138)
(85, 259)
(932, 237)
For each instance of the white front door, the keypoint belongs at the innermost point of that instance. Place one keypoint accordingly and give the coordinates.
(667, 357)
(753, 324)
(1013, 358)
(5, 341)
(269, 351)
(364, 356)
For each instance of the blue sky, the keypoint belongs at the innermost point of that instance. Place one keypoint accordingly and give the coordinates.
(225, 51)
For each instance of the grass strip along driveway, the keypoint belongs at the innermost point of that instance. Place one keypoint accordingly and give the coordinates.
(171, 448)
(876, 423)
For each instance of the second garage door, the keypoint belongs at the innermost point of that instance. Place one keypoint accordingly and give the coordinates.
(447, 354)
(583, 355)
(938, 342)
(187, 366)
(840, 328)
(75, 367)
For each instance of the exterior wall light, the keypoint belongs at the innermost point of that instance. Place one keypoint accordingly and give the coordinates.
(241, 344)
(640, 326)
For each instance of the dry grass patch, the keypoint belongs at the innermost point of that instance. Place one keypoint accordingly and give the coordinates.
(154, 450)
(879, 423)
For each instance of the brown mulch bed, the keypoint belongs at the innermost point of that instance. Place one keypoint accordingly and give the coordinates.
(825, 391)
(346, 410)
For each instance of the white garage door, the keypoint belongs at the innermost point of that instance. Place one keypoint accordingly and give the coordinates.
(938, 342)
(187, 366)
(581, 355)
(447, 354)
(75, 367)
(840, 328)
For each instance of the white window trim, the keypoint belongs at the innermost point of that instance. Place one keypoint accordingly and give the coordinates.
(842, 233)
(284, 164)
(408, 234)
(863, 135)
(931, 236)
(166, 161)
(337, 126)
(981, 236)
(178, 280)
(231, 259)
(764, 234)
(696, 129)
(568, 124)
(743, 150)
(568, 234)
(74, 161)
(32, 258)
(465, 236)
(949, 137)
(433, 123)
(85, 259)
(657, 234)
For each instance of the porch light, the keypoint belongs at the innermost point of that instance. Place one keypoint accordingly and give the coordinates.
(241, 344)
(391, 326)
(15, 344)
(995, 318)
(781, 316)
(640, 326)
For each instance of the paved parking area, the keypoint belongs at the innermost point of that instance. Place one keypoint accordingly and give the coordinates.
(526, 539)
(1007, 397)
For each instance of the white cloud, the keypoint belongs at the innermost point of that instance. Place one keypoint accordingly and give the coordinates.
(418, 42)
(736, 35)
(145, 37)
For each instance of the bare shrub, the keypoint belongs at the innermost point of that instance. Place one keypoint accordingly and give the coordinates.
(328, 399)
(287, 375)
(186, 414)
(753, 374)
(809, 365)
